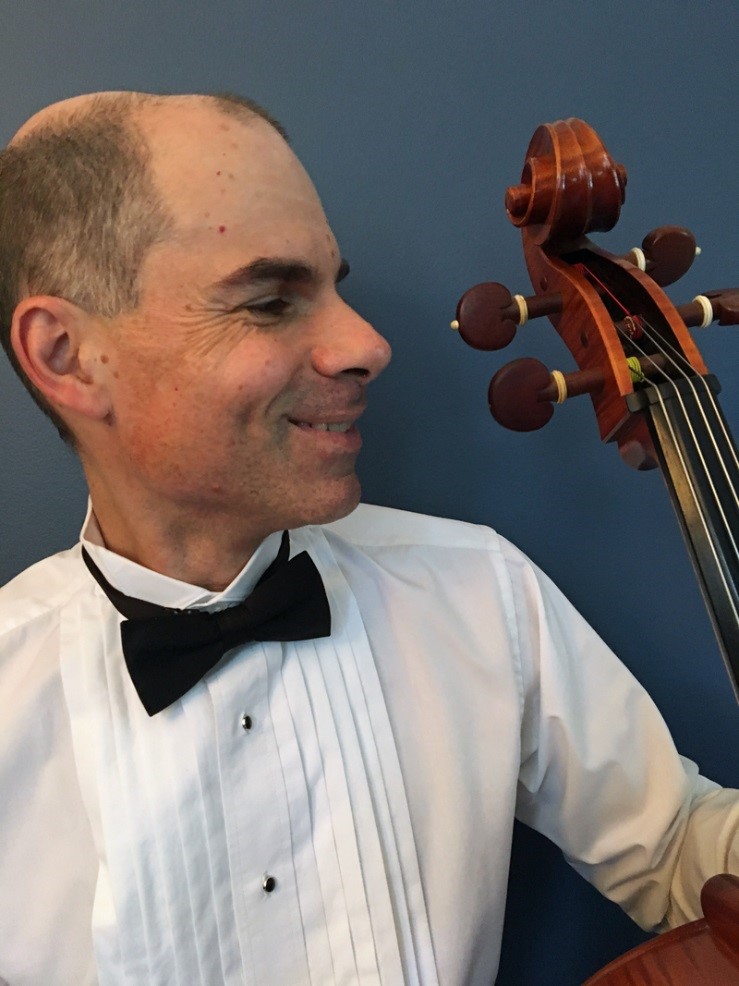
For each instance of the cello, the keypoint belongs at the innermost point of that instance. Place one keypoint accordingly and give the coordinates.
(653, 397)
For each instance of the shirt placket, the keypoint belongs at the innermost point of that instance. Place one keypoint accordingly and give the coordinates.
(257, 821)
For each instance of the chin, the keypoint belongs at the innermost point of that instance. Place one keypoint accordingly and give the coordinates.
(332, 508)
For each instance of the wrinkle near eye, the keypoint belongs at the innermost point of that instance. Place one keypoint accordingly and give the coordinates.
(212, 331)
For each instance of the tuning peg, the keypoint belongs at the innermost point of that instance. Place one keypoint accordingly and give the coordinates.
(665, 254)
(488, 315)
(713, 306)
(521, 393)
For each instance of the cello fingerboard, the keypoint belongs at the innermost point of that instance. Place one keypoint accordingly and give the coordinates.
(699, 463)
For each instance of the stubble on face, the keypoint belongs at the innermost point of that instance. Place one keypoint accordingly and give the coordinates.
(212, 392)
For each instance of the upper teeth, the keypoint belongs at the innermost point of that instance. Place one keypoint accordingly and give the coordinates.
(340, 426)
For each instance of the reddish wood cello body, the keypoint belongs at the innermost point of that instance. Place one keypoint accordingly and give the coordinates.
(653, 396)
(702, 953)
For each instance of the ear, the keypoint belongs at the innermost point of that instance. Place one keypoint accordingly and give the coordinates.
(54, 342)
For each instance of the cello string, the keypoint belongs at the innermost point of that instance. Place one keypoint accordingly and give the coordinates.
(696, 502)
(700, 509)
(659, 343)
(696, 445)
(662, 347)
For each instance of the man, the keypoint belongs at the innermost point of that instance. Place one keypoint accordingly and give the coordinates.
(330, 809)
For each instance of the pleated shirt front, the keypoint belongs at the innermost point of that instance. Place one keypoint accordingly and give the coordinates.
(335, 811)
(258, 830)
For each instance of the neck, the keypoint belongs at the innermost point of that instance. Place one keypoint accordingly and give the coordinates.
(701, 469)
(202, 547)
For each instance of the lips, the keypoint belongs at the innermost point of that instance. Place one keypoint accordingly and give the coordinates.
(340, 426)
(339, 435)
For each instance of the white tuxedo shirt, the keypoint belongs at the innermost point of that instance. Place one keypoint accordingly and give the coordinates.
(373, 775)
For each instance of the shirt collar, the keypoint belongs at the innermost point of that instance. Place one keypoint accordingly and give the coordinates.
(135, 580)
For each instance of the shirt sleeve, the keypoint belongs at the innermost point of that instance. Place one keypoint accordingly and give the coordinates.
(600, 775)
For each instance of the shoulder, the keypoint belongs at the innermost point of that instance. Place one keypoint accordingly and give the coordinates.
(424, 550)
(371, 527)
(384, 532)
(462, 556)
(32, 608)
(40, 591)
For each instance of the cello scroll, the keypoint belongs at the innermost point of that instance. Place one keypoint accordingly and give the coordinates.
(651, 391)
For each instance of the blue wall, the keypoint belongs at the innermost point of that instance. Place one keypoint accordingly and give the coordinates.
(412, 118)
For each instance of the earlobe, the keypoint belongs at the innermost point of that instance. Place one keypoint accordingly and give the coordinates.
(51, 341)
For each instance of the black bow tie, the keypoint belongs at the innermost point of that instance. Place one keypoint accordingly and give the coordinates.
(168, 651)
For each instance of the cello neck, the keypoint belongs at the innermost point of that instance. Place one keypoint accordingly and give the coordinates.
(699, 463)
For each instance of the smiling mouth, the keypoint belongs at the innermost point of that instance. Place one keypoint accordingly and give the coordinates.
(341, 426)
(329, 437)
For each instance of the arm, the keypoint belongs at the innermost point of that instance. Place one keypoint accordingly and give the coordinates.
(600, 775)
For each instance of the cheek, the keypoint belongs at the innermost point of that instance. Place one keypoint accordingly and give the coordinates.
(177, 405)
(260, 385)
(154, 412)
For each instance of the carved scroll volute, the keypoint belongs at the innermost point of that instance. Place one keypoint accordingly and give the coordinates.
(570, 186)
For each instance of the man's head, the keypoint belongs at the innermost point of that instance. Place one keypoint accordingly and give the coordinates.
(78, 208)
(189, 333)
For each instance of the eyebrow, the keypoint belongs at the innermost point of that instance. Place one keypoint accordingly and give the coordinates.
(275, 269)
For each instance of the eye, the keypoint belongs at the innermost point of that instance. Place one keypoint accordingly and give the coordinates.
(267, 306)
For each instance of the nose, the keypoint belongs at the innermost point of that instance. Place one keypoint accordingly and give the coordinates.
(350, 345)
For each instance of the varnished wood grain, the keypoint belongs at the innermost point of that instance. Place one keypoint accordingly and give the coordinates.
(702, 953)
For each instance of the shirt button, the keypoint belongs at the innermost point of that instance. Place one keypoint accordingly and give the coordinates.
(268, 884)
(246, 722)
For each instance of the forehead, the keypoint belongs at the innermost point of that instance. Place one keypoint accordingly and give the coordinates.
(219, 173)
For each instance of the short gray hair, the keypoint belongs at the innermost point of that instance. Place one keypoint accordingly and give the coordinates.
(79, 211)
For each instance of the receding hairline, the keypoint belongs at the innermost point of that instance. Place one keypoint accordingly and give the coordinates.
(126, 105)
(80, 172)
